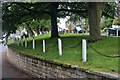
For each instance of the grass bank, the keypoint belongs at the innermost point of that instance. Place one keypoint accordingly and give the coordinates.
(72, 51)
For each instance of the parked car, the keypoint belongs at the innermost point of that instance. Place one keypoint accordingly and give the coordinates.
(78, 30)
(113, 30)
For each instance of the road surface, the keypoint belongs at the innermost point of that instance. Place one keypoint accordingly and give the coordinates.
(6, 69)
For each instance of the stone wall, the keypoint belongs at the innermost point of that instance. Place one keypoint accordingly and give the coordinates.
(41, 68)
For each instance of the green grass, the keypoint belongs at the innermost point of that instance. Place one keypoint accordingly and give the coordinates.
(95, 62)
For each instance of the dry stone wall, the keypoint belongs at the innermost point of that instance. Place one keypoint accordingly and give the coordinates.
(41, 68)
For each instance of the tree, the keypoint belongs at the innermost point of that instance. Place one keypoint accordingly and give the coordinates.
(116, 21)
(11, 14)
(94, 12)
(54, 10)
(35, 10)
(0, 20)
(117, 8)
(40, 25)
(54, 29)
(18, 13)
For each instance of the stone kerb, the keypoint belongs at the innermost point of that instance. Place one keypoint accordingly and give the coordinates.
(42, 68)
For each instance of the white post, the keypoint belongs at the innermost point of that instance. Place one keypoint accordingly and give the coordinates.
(44, 46)
(77, 32)
(33, 43)
(24, 37)
(84, 55)
(25, 43)
(60, 47)
(21, 42)
(117, 32)
(29, 35)
(18, 42)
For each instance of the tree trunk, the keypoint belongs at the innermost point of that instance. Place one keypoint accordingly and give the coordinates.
(0, 28)
(118, 8)
(30, 30)
(0, 20)
(54, 27)
(94, 14)
(37, 31)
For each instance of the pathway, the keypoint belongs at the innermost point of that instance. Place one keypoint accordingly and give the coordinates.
(6, 69)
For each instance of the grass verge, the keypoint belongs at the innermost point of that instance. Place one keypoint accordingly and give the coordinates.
(72, 53)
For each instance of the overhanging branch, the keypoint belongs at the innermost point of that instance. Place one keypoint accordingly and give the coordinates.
(71, 10)
(35, 11)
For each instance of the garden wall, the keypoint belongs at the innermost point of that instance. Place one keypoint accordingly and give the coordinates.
(41, 68)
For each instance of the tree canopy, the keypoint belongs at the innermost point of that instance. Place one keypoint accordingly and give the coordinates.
(16, 13)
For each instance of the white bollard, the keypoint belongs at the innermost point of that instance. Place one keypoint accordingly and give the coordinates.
(25, 43)
(18, 43)
(60, 47)
(44, 46)
(21, 42)
(84, 55)
(117, 32)
(77, 32)
(29, 35)
(33, 43)
(24, 37)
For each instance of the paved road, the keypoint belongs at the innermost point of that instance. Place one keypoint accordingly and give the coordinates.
(6, 69)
